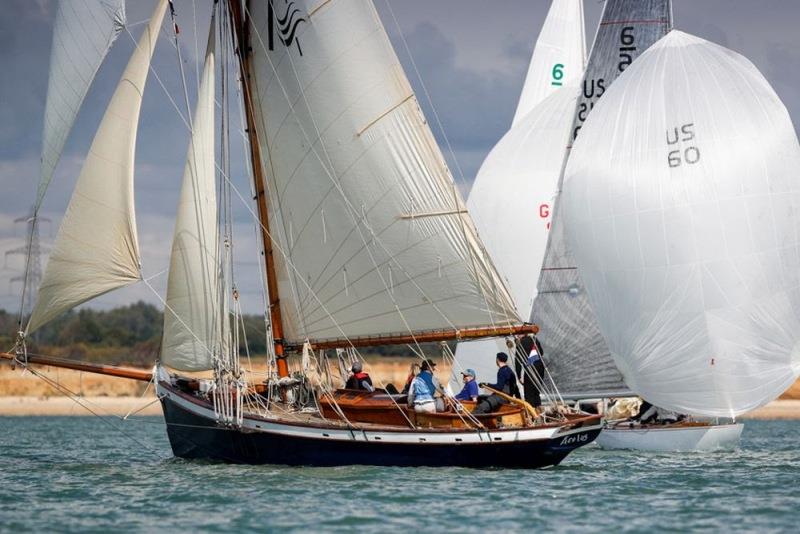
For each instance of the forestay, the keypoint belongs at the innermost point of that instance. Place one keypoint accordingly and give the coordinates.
(682, 200)
(83, 33)
(373, 236)
(512, 195)
(576, 354)
(96, 249)
(559, 56)
(192, 318)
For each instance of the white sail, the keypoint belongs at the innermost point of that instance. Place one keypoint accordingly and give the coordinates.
(681, 199)
(512, 197)
(511, 202)
(559, 56)
(576, 354)
(96, 249)
(375, 236)
(83, 33)
(192, 315)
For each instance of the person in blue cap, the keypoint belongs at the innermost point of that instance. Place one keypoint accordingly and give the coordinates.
(470, 390)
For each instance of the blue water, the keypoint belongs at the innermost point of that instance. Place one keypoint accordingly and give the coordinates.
(82, 474)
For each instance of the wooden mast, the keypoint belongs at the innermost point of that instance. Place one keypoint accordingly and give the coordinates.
(242, 43)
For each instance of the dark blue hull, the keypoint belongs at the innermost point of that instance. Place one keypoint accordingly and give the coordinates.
(195, 437)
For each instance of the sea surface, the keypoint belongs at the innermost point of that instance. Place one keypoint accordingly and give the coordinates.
(87, 474)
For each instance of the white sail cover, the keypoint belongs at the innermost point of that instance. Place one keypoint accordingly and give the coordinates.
(559, 56)
(96, 249)
(373, 236)
(512, 196)
(192, 315)
(682, 201)
(575, 352)
(83, 33)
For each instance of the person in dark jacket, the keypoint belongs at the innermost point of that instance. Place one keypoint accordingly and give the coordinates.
(506, 383)
(359, 379)
(530, 367)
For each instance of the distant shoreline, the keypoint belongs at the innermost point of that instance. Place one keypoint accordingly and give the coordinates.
(21, 406)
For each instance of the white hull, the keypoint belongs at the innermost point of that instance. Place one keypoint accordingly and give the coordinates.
(672, 438)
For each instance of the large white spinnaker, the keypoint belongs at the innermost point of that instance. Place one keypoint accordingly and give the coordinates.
(96, 249)
(371, 235)
(511, 198)
(192, 316)
(682, 203)
(83, 33)
(559, 56)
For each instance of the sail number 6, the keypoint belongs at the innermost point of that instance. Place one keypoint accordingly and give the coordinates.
(558, 73)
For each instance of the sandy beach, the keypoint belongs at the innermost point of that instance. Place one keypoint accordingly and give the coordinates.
(24, 394)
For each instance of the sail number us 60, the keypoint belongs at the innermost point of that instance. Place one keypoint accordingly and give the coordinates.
(681, 151)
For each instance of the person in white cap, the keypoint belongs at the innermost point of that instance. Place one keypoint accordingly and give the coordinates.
(470, 390)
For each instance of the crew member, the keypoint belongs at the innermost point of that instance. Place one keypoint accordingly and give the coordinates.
(506, 383)
(470, 390)
(420, 395)
(531, 367)
(359, 379)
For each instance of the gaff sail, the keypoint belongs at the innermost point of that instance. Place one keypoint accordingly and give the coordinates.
(96, 249)
(193, 318)
(371, 235)
(681, 199)
(83, 33)
(576, 354)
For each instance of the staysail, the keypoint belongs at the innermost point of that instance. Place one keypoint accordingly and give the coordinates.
(192, 322)
(83, 33)
(576, 354)
(96, 249)
(373, 236)
(559, 56)
(681, 198)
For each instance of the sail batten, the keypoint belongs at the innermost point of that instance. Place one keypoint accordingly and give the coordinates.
(78, 51)
(343, 135)
(194, 318)
(96, 249)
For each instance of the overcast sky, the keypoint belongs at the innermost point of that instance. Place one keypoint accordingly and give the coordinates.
(472, 56)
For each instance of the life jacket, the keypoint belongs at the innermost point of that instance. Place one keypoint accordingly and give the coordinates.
(361, 376)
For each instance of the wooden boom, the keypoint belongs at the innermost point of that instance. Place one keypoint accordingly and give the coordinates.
(109, 370)
(419, 337)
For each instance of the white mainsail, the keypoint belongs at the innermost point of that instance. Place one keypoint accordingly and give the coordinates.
(681, 199)
(559, 56)
(96, 249)
(373, 236)
(192, 316)
(83, 33)
(511, 199)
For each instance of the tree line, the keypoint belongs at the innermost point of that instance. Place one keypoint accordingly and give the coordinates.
(131, 335)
